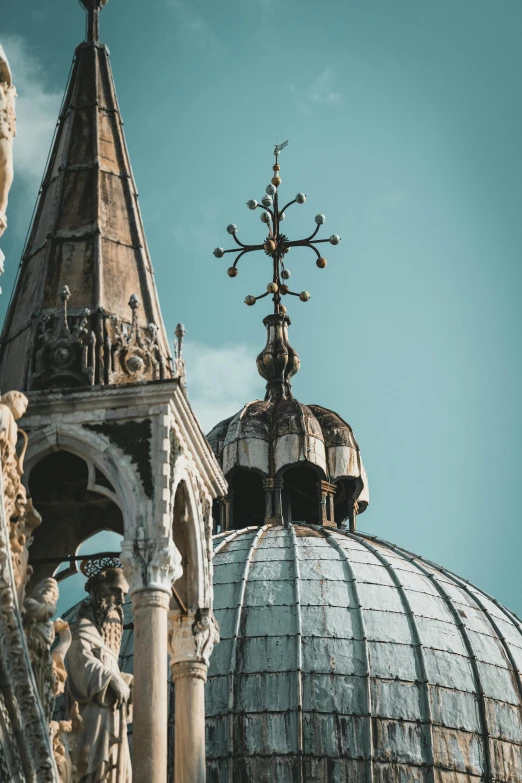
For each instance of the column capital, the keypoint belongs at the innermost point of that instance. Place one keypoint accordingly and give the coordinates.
(151, 564)
(192, 636)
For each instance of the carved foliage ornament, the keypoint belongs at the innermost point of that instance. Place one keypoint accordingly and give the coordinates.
(192, 636)
(32, 697)
(22, 518)
(135, 351)
(24, 705)
(151, 563)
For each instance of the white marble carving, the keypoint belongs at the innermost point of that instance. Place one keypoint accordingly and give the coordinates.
(24, 705)
(95, 687)
(7, 134)
(192, 636)
(151, 563)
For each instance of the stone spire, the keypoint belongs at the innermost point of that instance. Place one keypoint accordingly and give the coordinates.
(85, 308)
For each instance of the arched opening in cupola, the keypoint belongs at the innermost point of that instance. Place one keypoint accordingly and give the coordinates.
(300, 494)
(246, 498)
(75, 501)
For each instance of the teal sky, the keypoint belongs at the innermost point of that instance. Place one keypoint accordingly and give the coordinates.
(405, 128)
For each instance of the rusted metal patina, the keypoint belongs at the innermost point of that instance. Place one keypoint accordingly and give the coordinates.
(345, 658)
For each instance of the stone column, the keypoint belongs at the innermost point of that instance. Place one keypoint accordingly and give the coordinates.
(192, 637)
(273, 501)
(151, 566)
(326, 494)
(353, 509)
(225, 515)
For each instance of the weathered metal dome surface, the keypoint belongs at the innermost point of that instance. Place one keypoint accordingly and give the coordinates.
(344, 658)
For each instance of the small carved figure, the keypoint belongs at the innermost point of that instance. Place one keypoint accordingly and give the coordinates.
(19, 511)
(13, 405)
(95, 683)
(7, 134)
(40, 632)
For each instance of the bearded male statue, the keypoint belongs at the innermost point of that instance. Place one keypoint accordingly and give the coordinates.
(95, 686)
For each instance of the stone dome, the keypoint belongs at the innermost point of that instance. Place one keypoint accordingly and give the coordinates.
(345, 658)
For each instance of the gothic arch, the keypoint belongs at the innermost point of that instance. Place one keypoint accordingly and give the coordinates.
(107, 459)
(72, 510)
(190, 535)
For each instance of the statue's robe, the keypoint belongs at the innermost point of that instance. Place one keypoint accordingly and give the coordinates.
(91, 665)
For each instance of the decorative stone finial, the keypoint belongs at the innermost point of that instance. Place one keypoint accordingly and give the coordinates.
(65, 294)
(93, 8)
(278, 361)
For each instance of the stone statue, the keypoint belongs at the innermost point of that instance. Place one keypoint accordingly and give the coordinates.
(21, 515)
(7, 134)
(102, 693)
(39, 607)
(48, 667)
(13, 405)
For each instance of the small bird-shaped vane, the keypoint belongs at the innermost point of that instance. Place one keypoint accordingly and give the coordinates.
(278, 148)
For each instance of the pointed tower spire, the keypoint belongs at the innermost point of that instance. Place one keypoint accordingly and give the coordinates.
(87, 235)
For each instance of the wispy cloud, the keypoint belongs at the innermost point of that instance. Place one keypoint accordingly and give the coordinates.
(322, 89)
(37, 109)
(220, 380)
(192, 27)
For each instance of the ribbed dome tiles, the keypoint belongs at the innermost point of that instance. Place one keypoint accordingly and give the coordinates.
(344, 658)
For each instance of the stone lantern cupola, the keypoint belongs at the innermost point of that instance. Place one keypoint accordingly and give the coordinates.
(285, 461)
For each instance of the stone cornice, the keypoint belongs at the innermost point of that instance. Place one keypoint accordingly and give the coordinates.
(155, 395)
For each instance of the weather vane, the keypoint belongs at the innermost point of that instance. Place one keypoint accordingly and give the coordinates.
(277, 244)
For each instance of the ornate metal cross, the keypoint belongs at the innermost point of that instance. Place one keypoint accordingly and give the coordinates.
(277, 244)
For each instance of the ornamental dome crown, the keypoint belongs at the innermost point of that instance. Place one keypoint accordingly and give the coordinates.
(305, 456)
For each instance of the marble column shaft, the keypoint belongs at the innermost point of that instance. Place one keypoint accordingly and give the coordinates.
(189, 746)
(151, 567)
(192, 637)
(149, 756)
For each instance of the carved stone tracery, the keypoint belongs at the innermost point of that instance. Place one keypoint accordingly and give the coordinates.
(82, 348)
(66, 348)
(135, 351)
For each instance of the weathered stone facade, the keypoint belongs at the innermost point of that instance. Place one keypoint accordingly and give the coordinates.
(109, 443)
